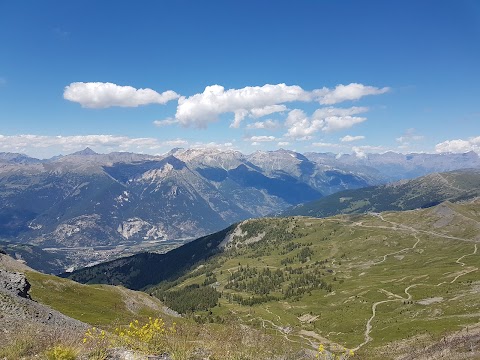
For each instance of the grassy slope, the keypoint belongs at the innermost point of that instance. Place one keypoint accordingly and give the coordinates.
(98, 305)
(372, 259)
(108, 307)
(147, 269)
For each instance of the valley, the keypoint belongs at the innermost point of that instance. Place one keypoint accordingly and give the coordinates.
(382, 271)
(86, 208)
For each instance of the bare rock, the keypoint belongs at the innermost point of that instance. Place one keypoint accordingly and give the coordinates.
(15, 283)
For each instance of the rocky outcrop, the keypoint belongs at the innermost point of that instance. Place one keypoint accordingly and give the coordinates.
(17, 307)
(15, 283)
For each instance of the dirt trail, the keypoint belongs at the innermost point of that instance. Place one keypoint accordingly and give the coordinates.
(369, 326)
(397, 226)
(400, 251)
(461, 257)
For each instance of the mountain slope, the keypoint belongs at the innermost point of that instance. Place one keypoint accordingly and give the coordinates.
(86, 200)
(422, 192)
(95, 305)
(413, 273)
(147, 269)
(87, 204)
(35, 328)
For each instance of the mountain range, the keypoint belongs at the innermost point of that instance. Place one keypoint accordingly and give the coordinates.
(92, 202)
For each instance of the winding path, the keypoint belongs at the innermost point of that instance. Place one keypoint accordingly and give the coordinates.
(396, 226)
(400, 251)
(369, 327)
(461, 257)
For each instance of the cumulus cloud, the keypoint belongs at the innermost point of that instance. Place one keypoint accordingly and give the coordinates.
(267, 110)
(350, 138)
(104, 95)
(201, 109)
(267, 124)
(459, 146)
(47, 146)
(336, 123)
(361, 151)
(348, 92)
(328, 119)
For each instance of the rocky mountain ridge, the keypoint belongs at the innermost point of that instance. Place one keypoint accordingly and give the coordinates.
(87, 200)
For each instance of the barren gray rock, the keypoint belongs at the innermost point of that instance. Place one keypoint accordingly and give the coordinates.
(14, 282)
(17, 308)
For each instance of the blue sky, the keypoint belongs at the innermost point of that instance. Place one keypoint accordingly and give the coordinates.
(359, 76)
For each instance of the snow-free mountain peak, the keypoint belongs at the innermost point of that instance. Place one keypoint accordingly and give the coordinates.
(85, 152)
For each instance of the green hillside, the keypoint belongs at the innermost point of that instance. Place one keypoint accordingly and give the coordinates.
(422, 192)
(382, 284)
(110, 311)
(97, 305)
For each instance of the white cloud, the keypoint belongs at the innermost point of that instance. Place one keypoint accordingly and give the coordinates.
(299, 124)
(350, 138)
(325, 144)
(213, 145)
(330, 111)
(459, 146)
(165, 122)
(104, 95)
(267, 110)
(267, 124)
(361, 151)
(351, 91)
(324, 119)
(201, 109)
(262, 138)
(336, 123)
(47, 146)
(283, 143)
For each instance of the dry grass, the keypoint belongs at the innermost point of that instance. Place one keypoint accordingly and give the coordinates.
(190, 341)
(32, 340)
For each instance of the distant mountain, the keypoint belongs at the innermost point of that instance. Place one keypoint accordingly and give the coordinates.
(15, 158)
(422, 192)
(90, 199)
(392, 166)
(87, 199)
